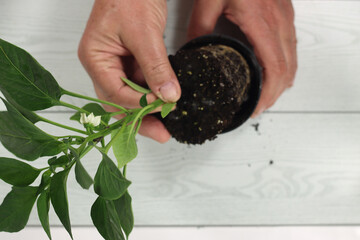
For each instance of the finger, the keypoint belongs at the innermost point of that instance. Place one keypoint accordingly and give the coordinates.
(284, 14)
(269, 93)
(125, 102)
(153, 128)
(290, 52)
(204, 16)
(149, 50)
(106, 70)
(288, 38)
(269, 50)
(108, 85)
(138, 77)
(289, 46)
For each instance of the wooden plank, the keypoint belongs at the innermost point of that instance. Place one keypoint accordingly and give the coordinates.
(328, 33)
(204, 233)
(296, 169)
(314, 175)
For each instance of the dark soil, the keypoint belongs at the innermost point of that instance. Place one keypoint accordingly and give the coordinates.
(214, 80)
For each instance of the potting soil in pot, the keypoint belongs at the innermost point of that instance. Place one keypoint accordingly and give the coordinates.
(214, 80)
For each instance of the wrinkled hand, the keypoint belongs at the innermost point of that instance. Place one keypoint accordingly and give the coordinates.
(125, 39)
(269, 27)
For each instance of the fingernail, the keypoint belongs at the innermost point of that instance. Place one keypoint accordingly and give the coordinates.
(168, 92)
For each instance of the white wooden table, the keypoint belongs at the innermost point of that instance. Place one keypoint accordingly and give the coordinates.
(208, 233)
(311, 136)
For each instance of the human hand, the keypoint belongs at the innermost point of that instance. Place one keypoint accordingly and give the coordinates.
(269, 27)
(125, 39)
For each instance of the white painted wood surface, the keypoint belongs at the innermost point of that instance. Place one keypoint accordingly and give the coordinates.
(328, 35)
(312, 134)
(207, 233)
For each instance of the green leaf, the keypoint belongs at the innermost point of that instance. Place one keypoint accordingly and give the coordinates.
(16, 208)
(166, 109)
(29, 115)
(43, 206)
(109, 183)
(135, 86)
(45, 180)
(82, 176)
(143, 101)
(25, 80)
(124, 145)
(24, 139)
(59, 198)
(125, 213)
(17, 173)
(95, 108)
(106, 220)
(58, 161)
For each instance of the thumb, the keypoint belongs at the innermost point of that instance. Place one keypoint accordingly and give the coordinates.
(150, 53)
(204, 16)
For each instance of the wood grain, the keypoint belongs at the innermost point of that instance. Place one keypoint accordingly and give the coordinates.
(203, 233)
(284, 173)
(328, 35)
(311, 136)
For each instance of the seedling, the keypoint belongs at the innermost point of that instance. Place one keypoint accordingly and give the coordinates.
(27, 88)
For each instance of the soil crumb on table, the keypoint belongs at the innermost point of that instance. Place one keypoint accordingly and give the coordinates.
(256, 126)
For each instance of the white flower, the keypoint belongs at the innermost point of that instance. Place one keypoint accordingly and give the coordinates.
(83, 118)
(96, 121)
(91, 119)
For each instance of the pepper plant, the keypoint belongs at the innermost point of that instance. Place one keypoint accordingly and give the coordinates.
(27, 88)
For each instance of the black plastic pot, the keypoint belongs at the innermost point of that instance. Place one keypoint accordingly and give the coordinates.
(221, 82)
(249, 105)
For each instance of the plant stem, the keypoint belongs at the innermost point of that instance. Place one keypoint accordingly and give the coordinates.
(87, 149)
(135, 86)
(124, 170)
(103, 142)
(138, 126)
(82, 146)
(116, 113)
(93, 99)
(70, 136)
(45, 168)
(108, 146)
(118, 123)
(138, 115)
(62, 125)
(65, 104)
(106, 131)
(146, 109)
